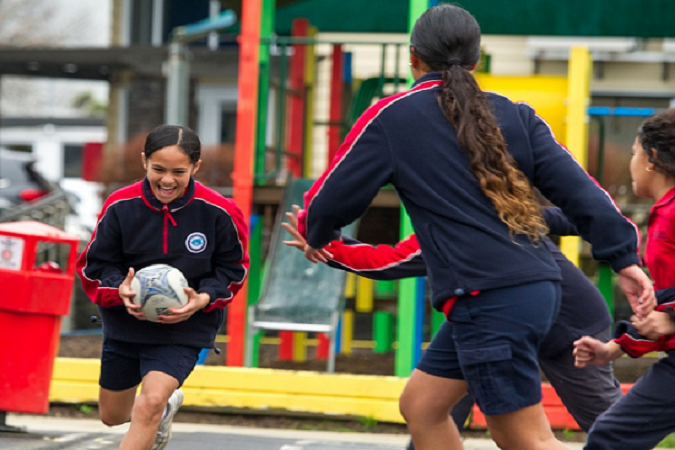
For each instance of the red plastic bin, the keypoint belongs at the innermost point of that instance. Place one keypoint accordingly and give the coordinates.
(33, 300)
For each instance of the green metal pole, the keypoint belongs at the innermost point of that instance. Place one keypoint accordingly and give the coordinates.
(383, 331)
(406, 318)
(255, 242)
(605, 274)
(266, 31)
(255, 278)
(385, 288)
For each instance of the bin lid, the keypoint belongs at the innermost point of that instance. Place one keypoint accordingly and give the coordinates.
(36, 229)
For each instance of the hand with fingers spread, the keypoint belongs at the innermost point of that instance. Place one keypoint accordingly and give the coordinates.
(299, 242)
(196, 302)
(127, 294)
(639, 290)
(590, 351)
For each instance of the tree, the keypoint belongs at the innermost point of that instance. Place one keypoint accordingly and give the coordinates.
(47, 23)
(29, 23)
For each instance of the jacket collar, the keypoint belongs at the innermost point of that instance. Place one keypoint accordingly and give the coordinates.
(175, 205)
(665, 200)
(431, 76)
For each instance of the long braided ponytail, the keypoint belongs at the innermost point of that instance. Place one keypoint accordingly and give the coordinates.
(447, 39)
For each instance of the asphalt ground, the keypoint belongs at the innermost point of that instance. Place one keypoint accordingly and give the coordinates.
(50, 433)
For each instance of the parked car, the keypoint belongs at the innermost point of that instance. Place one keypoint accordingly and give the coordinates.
(20, 182)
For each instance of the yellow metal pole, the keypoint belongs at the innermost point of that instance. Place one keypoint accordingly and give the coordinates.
(299, 346)
(347, 332)
(576, 137)
(310, 83)
(364, 295)
(350, 285)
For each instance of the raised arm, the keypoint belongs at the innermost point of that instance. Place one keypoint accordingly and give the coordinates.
(380, 262)
(590, 208)
(342, 194)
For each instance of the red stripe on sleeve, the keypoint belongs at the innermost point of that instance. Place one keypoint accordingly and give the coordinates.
(363, 257)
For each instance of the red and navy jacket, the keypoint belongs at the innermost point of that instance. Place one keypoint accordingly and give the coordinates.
(660, 259)
(202, 234)
(636, 345)
(406, 140)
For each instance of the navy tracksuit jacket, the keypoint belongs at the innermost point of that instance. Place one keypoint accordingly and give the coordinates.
(405, 259)
(202, 234)
(406, 140)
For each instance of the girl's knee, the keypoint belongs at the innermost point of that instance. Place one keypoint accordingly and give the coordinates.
(149, 405)
(411, 407)
(421, 411)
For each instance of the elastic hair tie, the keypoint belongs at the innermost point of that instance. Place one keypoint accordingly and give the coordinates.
(454, 62)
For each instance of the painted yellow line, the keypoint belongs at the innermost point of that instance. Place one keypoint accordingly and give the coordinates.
(374, 397)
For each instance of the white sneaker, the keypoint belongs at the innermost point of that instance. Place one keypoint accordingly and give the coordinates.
(164, 429)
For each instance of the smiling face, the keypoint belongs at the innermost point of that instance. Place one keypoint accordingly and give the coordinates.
(169, 170)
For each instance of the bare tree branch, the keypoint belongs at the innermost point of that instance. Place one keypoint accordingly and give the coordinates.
(31, 23)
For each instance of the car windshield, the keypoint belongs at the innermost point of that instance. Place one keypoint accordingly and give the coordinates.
(13, 171)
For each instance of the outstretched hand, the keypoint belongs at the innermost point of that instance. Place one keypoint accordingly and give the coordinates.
(299, 242)
(126, 294)
(639, 290)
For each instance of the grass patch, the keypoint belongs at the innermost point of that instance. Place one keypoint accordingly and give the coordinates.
(668, 442)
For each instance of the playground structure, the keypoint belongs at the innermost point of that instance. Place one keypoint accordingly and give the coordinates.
(280, 133)
(297, 296)
(276, 137)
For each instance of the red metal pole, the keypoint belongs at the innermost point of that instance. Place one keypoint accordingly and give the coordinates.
(295, 137)
(249, 46)
(335, 111)
(296, 103)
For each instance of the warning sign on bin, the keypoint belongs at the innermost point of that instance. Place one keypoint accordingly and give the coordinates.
(11, 252)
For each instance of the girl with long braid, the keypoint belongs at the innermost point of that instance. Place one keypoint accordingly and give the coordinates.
(464, 163)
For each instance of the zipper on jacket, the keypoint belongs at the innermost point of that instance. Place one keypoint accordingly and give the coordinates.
(167, 217)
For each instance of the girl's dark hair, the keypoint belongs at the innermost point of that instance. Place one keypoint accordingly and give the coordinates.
(658, 133)
(167, 135)
(447, 39)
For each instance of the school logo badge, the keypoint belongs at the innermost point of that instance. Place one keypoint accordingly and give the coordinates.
(196, 242)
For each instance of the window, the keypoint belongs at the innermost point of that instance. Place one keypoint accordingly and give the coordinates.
(147, 22)
(228, 124)
(72, 160)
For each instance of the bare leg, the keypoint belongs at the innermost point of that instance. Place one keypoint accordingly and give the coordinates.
(114, 407)
(147, 411)
(425, 404)
(525, 429)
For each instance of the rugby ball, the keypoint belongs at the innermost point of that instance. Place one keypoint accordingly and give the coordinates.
(159, 287)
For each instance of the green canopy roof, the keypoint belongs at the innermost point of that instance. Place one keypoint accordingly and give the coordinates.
(636, 18)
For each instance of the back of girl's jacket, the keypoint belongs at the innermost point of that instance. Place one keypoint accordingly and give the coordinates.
(202, 234)
(406, 140)
(405, 259)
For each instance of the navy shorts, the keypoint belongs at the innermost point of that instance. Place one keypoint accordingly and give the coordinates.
(642, 417)
(124, 364)
(493, 344)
